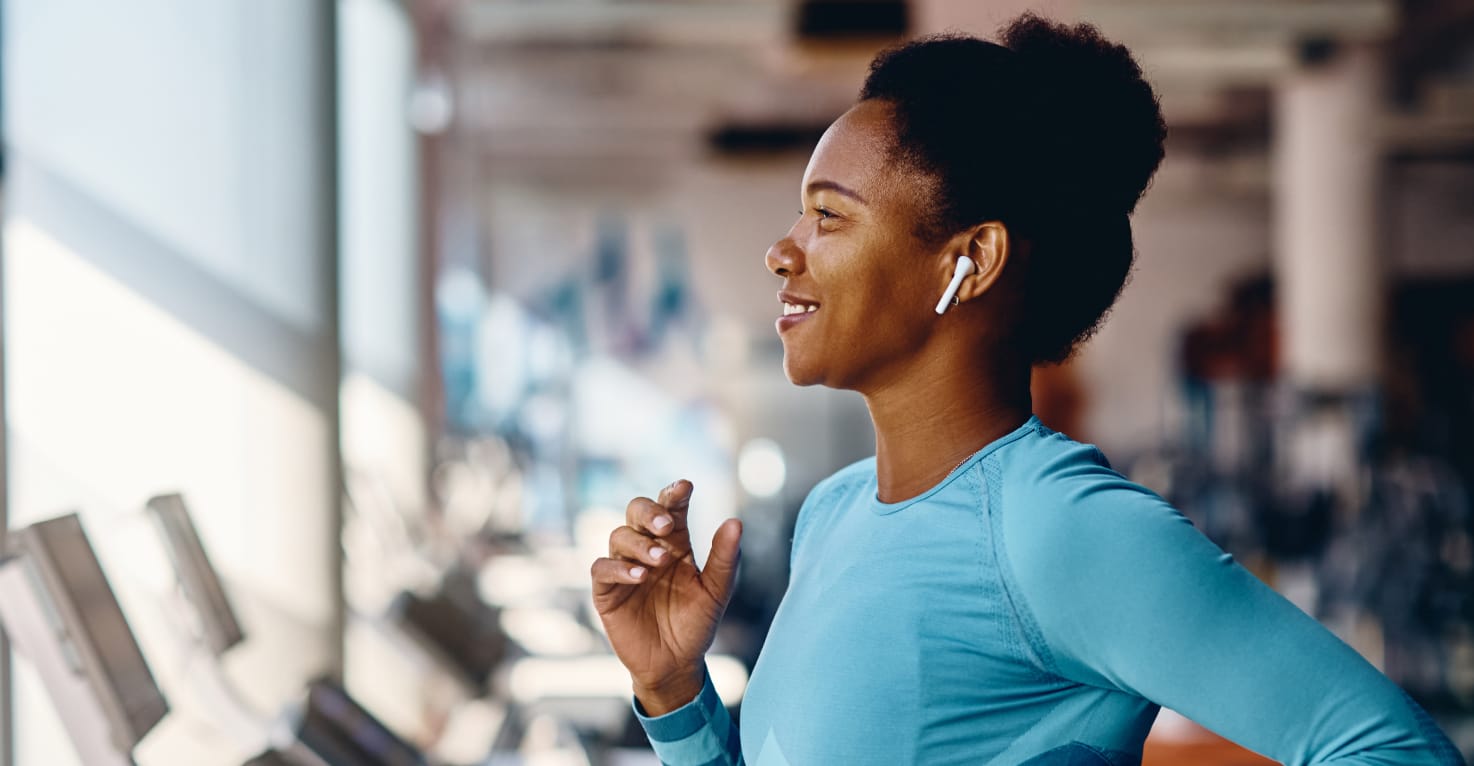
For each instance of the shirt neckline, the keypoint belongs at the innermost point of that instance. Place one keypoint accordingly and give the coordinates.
(883, 508)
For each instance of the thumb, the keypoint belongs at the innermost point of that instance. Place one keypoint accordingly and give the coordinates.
(721, 565)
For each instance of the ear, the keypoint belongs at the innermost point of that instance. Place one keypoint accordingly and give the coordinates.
(987, 245)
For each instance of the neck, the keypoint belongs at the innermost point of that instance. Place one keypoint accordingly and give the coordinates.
(931, 420)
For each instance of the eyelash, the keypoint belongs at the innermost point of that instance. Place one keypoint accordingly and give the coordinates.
(823, 212)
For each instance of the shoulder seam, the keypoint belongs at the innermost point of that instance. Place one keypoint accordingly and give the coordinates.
(1039, 650)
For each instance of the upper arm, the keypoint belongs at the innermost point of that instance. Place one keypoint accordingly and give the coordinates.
(1128, 594)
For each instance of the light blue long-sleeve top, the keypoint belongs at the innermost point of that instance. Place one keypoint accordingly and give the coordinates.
(1035, 607)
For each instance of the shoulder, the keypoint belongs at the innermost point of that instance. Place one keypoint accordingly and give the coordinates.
(1056, 491)
(1083, 548)
(832, 491)
(843, 481)
(1073, 528)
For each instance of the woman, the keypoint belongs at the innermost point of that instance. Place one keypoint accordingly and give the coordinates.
(983, 590)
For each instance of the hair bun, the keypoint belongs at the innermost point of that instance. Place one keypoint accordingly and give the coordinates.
(1086, 98)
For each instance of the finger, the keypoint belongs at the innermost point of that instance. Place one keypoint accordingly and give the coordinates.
(675, 497)
(721, 565)
(655, 517)
(631, 545)
(608, 573)
(649, 517)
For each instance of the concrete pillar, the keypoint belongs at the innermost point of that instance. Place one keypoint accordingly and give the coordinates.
(1327, 260)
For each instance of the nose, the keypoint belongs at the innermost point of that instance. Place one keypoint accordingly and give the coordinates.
(784, 258)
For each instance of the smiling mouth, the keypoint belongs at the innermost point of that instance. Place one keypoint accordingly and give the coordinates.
(789, 309)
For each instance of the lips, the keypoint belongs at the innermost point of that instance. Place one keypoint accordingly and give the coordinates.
(796, 309)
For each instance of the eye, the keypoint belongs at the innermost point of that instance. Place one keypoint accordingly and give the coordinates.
(822, 213)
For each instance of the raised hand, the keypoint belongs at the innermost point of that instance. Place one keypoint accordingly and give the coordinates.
(660, 611)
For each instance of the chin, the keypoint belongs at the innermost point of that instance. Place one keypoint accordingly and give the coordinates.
(800, 374)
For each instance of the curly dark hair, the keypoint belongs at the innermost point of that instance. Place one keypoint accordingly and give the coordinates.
(1062, 164)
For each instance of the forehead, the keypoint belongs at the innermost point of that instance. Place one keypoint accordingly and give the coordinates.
(855, 150)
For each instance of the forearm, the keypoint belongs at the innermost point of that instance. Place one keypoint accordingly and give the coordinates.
(673, 693)
(1425, 746)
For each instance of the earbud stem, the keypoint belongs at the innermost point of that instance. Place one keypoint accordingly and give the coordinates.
(965, 266)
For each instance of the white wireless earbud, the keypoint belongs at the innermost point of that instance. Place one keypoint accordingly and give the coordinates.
(965, 266)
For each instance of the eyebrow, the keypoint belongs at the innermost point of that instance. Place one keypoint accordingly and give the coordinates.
(815, 186)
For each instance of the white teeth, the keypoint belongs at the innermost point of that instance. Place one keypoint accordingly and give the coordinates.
(793, 308)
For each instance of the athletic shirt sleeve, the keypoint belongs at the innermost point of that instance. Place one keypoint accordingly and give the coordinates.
(1119, 590)
(697, 734)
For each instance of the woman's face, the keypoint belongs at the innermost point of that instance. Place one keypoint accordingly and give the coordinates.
(855, 255)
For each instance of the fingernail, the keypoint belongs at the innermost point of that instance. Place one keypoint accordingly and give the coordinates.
(637, 572)
(657, 552)
(660, 523)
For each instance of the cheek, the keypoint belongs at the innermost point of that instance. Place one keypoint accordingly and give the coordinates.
(896, 290)
(875, 286)
(886, 310)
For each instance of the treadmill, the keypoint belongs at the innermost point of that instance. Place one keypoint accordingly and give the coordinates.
(326, 727)
(61, 613)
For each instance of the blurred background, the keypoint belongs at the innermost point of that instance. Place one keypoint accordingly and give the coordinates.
(407, 298)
